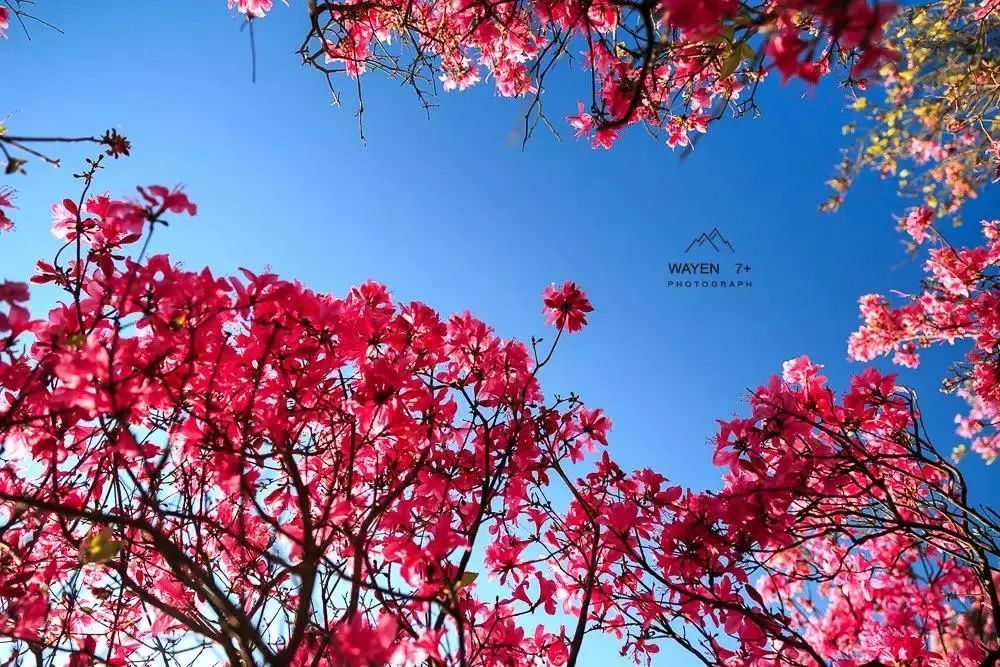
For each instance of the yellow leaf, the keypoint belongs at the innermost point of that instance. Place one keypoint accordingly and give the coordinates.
(730, 64)
(466, 579)
(859, 104)
(76, 340)
(838, 184)
(100, 547)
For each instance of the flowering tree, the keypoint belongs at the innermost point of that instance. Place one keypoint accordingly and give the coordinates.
(839, 537)
(669, 65)
(933, 122)
(672, 66)
(675, 66)
(242, 469)
(933, 127)
(958, 302)
(238, 470)
(863, 535)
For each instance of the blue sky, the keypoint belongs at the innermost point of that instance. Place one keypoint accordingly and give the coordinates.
(450, 211)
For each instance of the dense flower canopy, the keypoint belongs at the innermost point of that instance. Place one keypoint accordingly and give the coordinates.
(959, 301)
(299, 477)
(862, 532)
(673, 66)
(307, 479)
(238, 470)
(932, 123)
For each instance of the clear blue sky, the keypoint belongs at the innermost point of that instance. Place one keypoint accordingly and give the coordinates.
(449, 210)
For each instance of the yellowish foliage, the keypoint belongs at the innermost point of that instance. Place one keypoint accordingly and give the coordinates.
(100, 547)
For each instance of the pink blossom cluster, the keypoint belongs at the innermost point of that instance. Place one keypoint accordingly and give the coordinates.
(309, 479)
(670, 65)
(6, 202)
(853, 538)
(959, 302)
(795, 560)
(246, 441)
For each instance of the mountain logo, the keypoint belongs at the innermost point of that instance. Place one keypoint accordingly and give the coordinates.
(714, 238)
(704, 270)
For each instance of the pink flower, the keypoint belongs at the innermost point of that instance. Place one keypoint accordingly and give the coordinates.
(6, 194)
(985, 8)
(12, 293)
(595, 424)
(251, 8)
(582, 122)
(925, 150)
(64, 219)
(916, 223)
(799, 370)
(698, 18)
(566, 306)
(907, 356)
(784, 48)
(175, 201)
(677, 132)
(605, 137)
(17, 319)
